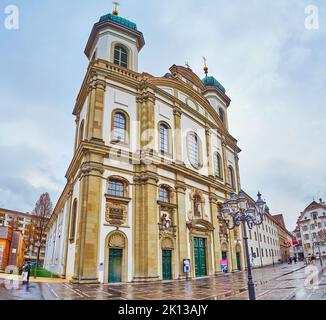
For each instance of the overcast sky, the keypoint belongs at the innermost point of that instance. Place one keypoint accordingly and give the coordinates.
(272, 67)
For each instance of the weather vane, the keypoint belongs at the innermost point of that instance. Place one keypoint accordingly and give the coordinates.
(205, 67)
(116, 11)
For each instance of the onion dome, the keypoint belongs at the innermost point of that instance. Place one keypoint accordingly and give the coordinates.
(210, 81)
(117, 19)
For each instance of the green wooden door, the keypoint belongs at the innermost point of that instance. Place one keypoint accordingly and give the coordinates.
(238, 261)
(200, 257)
(115, 265)
(167, 264)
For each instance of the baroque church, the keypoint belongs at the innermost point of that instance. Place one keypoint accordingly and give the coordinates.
(153, 159)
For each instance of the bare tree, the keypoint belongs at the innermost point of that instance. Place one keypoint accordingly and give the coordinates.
(43, 211)
(30, 234)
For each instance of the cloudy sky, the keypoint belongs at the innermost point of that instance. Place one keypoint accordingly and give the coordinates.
(273, 68)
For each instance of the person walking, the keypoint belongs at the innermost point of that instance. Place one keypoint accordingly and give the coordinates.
(25, 273)
(28, 270)
(313, 258)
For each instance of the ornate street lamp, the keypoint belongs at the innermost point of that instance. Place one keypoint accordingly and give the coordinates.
(237, 211)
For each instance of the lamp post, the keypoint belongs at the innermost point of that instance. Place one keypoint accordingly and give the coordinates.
(237, 211)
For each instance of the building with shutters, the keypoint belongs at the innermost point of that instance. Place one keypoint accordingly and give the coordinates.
(153, 158)
(312, 227)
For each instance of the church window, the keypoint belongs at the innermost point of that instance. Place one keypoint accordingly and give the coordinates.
(164, 138)
(231, 177)
(164, 195)
(81, 132)
(116, 188)
(221, 114)
(120, 56)
(194, 150)
(120, 126)
(73, 221)
(218, 166)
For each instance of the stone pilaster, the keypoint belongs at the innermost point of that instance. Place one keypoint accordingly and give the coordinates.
(68, 217)
(225, 163)
(95, 111)
(216, 233)
(237, 171)
(146, 118)
(146, 220)
(180, 188)
(77, 132)
(177, 134)
(209, 152)
(89, 211)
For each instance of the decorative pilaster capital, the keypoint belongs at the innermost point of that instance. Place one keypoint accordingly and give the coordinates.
(146, 177)
(213, 198)
(89, 167)
(70, 189)
(146, 96)
(180, 187)
(177, 112)
(208, 131)
(97, 83)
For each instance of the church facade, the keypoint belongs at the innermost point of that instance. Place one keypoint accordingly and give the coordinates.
(153, 158)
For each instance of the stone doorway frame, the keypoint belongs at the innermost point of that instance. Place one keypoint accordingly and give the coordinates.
(116, 240)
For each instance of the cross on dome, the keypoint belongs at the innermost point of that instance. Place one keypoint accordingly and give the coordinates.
(116, 11)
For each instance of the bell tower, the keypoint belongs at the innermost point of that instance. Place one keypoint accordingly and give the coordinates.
(115, 39)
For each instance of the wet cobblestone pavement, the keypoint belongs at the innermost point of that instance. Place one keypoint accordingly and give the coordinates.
(282, 282)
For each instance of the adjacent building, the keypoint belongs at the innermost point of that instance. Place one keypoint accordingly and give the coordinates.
(27, 224)
(285, 238)
(12, 248)
(297, 243)
(153, 158)
(311, 222)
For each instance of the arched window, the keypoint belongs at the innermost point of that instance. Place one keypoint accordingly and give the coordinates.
(231, 177)
(221, 114)
(120, 56)
(81, 132)
(73, 221)
(164, 195)
(164, 138)
(218, 164)
(194, 149)
(119, 127)
(116, 188)
(197, 206)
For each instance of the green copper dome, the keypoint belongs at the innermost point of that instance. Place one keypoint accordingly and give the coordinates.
(119, 20)
(212, 82)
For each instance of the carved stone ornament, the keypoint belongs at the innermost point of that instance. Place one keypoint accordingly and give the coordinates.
(117, 241)
(167, 243)
(116, 213)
